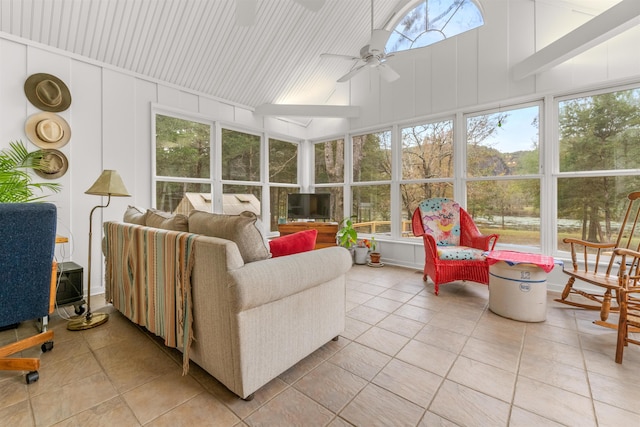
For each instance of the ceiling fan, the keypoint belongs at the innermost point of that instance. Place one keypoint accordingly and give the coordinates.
(372, 54)
(246, 9)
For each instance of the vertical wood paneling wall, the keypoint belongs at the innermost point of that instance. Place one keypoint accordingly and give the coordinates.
(110, 119)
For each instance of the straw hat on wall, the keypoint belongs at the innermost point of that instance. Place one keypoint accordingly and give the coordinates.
(47, 130)
(54, 164)
(47, 92)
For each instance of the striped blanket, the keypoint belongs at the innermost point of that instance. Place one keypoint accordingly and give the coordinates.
(148, 279)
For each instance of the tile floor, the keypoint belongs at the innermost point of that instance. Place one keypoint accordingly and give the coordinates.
(407, 358)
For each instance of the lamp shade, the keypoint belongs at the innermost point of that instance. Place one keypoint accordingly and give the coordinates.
(108, 183)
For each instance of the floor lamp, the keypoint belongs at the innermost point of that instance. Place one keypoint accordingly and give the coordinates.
(108, 184)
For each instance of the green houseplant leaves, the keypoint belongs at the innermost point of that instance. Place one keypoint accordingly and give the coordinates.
(15, 181)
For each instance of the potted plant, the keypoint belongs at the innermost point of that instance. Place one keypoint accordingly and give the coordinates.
(360, 252)
(347, 236)
(374, 255)
(15, 181)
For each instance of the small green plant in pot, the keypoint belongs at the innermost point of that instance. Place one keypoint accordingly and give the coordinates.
(347, 236)
(16, 184)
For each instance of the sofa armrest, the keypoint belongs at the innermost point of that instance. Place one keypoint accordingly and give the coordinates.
(261, 282)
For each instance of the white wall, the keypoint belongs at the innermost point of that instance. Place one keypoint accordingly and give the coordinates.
(110, 120)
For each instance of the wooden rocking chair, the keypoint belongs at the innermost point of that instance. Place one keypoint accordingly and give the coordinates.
(629, 320)
(585, 254)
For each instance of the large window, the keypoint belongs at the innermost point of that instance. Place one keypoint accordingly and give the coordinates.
(432, 21)
(371, 190)
(283, 178)
(427, 166)
(183, 164)
(503, 174)
(599, 162)
(329, 174)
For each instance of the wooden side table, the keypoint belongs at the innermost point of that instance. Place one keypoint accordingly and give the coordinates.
(326, 231)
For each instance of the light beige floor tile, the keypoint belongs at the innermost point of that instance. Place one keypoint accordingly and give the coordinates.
(454, 335)
(113, 412)
(484, 378)
(418, 314)
(401, 325)
(555, 374)
(382, 340)
(500, 356)
(55, 373)
(13, 390)
(553, 333)
(358, 297)
(161, 395)
(433, 420)
(442, 338)
(360, 360)
(408, 381)
(367, 314)
(479, 409)
(450, 322)
(331, 386)
(301, 368)
(554, 403)
(615, 392)
(290, 408)
(18, 414)
(523, 418)
(203, 410)
(375, 406)
(354, 328)
(611, 416)
(397, 295)
(427, 357)
(383, 304)
(71, 399)
(130, 363)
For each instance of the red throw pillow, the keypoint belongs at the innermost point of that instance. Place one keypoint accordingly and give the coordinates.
(301, 241)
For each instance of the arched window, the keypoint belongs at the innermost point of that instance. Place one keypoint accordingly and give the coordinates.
(431, 21)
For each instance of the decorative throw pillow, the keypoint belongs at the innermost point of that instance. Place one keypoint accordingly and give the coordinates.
(301, 241)
(135, 215)
(241, 229)
(166, 220)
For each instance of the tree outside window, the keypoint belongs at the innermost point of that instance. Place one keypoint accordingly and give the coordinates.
(183, 162)
(598, 137)
(427, 166)
(503, 174)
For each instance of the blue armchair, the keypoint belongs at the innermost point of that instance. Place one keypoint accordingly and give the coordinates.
(27, 288)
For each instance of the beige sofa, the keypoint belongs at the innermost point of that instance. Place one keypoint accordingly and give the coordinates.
(251, 320)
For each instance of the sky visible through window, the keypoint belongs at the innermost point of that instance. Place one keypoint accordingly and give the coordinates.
(432, 21)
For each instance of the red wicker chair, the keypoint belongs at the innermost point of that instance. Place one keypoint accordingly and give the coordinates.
(454, 247)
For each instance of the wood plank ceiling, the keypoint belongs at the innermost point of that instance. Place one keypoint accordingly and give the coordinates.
(197, 44)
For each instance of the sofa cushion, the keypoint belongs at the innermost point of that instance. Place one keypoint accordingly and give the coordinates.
(166, 220)
(241, 229)
(135, 215)
(301, 241)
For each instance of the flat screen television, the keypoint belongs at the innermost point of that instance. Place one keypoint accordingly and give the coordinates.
(309, 206)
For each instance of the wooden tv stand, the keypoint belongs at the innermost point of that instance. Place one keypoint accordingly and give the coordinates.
(326, 231)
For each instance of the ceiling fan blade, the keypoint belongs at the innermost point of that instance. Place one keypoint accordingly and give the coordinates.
(378, 40)
(336, 55)
(388, 73)
(312, 5)
(351, 73)
(246, 12)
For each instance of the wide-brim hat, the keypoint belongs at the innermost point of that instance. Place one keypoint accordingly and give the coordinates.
(47, 92)
(47, 130)
(54, 164)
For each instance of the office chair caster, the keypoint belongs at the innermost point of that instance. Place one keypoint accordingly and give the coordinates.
(46, 346)
(32, 377)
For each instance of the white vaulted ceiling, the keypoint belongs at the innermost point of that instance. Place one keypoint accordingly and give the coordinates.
(197, 44)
